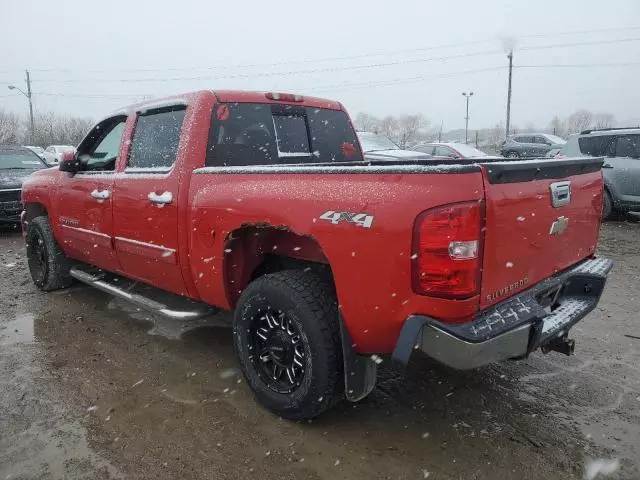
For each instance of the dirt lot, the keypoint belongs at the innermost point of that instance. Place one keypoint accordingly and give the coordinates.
(91, 388)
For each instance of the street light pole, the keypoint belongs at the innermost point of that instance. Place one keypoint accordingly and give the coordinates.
(466, 125)
(28, 95)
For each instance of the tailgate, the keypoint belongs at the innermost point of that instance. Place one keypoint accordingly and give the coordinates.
(542, 216)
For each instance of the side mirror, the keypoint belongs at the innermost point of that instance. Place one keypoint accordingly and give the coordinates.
(69, 162)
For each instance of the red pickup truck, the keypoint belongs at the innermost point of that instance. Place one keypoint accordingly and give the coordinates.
(262, 203)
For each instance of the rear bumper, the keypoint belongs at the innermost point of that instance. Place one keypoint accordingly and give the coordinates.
(513, 328)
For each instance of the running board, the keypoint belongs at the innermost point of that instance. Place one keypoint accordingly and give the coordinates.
(172, 306)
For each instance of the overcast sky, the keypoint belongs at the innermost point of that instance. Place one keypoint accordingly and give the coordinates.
(88, 58)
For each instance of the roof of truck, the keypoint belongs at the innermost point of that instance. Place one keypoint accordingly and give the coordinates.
(229, 96)
(244, 96)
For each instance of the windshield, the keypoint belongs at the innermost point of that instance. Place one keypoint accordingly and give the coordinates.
(371, 142)
(21, 159)
(555, 139)
(467, 151)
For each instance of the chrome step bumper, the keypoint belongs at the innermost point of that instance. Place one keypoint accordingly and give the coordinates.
(513, 328)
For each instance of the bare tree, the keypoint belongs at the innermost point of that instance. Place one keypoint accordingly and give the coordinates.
(51, 129)
(412, 129)
(10, 128)
(495, 135)
(603, 120)
(388, 127)
(365, 122)
(558, 126)
(579, 120)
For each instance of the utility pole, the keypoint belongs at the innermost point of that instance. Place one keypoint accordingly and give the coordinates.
(466, 126)
(28, 95)
(30, 105)
(440, 131)
(510, 57)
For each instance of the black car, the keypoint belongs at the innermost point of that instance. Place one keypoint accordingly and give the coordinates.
(16, 163)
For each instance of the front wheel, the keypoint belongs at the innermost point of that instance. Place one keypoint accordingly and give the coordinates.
(287, 340)
(607, 206)
(48, 265)
(512, 155)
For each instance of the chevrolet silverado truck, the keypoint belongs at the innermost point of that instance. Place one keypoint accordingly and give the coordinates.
(262, 204)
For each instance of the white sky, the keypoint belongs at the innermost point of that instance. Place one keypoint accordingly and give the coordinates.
(204, 44)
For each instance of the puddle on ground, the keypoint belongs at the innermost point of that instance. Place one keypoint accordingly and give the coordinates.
(17, 330)
(167, 327)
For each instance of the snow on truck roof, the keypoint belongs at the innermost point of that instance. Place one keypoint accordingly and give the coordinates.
(231, 96)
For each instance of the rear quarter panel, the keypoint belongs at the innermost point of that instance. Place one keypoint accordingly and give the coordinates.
(371, 266)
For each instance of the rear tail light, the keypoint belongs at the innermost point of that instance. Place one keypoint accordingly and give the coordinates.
(284, 97)
(447, 249)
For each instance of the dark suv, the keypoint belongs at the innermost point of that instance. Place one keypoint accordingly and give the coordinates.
(621, 169)
(529, 145)
(15, 164)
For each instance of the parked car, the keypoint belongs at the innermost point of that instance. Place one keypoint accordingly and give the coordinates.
(529, 145)
(554, 152)
(15, 164)
(261, 204)
(53, 153)
(450, 150)
(38, 151)
(621, 170)
(379, 147)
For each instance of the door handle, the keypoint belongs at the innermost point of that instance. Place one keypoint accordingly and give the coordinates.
(100, 194)
(166, 197)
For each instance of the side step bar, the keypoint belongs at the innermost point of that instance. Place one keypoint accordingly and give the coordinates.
(140, 295)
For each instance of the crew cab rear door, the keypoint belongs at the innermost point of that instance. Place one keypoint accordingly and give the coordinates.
(542, 216)
(83, 205)
(146, 201)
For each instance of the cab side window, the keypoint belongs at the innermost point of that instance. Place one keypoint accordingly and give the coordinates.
(99, 151)
(156, 138)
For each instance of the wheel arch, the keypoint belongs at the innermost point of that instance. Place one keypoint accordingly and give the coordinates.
(256, 250)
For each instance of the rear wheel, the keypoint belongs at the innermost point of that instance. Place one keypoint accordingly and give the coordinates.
(48, 265)
(287, 340)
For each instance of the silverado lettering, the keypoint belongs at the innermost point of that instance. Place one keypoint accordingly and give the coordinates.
(508, 289)
(208, 201)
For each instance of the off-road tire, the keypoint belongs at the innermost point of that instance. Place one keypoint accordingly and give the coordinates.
(43, 250)
(308, 299)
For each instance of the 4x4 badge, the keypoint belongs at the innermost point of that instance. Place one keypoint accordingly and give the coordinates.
(361, 219)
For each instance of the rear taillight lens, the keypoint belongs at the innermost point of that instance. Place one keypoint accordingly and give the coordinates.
(447, 249)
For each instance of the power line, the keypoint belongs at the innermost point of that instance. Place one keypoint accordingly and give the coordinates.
(339, 58)
(581, 65)
(580, 44)
(282, 73)
(334, 69)
(396, 81)
(276, 64)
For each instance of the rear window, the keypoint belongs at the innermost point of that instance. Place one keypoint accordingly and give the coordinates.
(265, 134)
(596, 145)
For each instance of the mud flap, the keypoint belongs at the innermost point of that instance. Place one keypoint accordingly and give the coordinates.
(359, 371)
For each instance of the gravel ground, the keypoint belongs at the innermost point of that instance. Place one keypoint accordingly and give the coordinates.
(90, 388)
